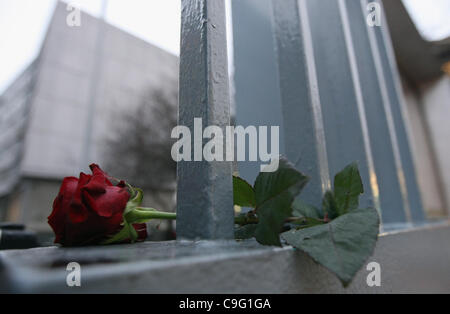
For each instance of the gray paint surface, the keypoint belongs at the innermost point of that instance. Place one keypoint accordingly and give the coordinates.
(382, 136)
(302, 112)
(205, 192)
(343, 121)
(257, 89)
(398, 107)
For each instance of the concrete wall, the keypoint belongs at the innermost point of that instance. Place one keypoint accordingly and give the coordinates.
(428, 175)
(429, 111)
(436, 99)
(34, 203)
(14, 112)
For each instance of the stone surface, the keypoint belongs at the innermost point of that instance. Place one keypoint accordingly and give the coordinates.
(411, 261)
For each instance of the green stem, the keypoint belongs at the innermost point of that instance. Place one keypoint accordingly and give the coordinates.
(245, 220)
(149, 213)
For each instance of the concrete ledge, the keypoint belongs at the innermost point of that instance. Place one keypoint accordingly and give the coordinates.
(411, 261)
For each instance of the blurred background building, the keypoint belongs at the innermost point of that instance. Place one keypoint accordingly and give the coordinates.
(91, 88)
(424, 66)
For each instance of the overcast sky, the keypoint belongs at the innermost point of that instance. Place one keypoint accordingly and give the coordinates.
(431, 16)
(23, 24)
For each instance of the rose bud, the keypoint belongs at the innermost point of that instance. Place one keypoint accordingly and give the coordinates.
(90, 210)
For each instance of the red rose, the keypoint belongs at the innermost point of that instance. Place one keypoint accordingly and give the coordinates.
(89, 210)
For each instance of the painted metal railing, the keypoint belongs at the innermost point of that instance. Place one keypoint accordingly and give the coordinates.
(319, 71)
(205, 193)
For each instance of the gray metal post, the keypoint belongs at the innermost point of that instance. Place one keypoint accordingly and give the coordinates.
(205, 194)
(302, 112)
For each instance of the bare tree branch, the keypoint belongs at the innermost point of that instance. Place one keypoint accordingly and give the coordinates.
(139, 149)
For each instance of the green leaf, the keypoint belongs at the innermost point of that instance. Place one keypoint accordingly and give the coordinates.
(245, 232)
(342, 246)
(301, 209)
(274, 193)
(348, 187)
(135, 200)
(128, 231)
(243, 192)
(133, 233)
(329, 205)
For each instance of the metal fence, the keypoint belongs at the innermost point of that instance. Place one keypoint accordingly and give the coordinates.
(318, 70)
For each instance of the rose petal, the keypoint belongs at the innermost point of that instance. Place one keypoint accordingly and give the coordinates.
(78, 213)
(60, 204)
(97, 171)
(90, 209)
(112, 201)
(93, 230)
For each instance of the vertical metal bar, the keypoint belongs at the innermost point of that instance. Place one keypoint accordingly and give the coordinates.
(302, 113)
(392, 79)
(257, 89)
(389, 185)
(205, 194)
(354, 70)
(380, 137)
